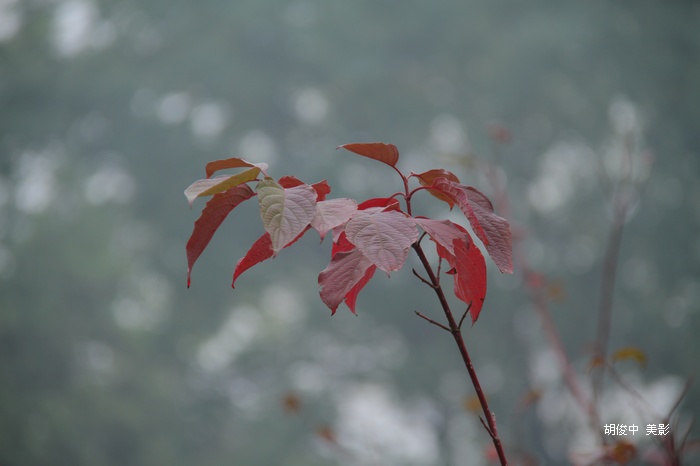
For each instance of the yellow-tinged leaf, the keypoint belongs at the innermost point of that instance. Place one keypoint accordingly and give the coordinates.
(630, 352)
(219, 184)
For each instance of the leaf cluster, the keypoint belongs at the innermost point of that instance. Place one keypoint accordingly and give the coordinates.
(375, 234)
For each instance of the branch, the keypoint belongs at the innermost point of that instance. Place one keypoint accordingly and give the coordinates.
(555, 341)
(434, 322)
(457, 335)
(486, 427)
(422, 279)
(607, 293)
(461, 321)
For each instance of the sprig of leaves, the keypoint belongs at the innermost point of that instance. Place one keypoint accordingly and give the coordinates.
(375, 234)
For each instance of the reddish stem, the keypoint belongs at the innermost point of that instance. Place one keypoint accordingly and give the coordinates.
(456, 332)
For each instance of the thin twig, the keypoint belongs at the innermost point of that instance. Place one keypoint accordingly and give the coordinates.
(486, 427)
(423, 279)
(434, 322)
(555, 342)
(461, 321)
(684, 392)
(681, 446)
(607, 292)
(643, 402)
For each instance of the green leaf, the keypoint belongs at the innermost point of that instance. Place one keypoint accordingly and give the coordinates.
(285, 212)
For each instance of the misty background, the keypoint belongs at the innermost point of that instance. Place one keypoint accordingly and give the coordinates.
(110, 109)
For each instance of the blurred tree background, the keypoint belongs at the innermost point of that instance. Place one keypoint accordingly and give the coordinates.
(109, 109)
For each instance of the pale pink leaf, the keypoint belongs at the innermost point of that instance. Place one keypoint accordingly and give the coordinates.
(384, 237)
(332, 213)
(443, 232)
(496, 229)
(285, 212)
(351, 296)
(345, 270)
(492, 230)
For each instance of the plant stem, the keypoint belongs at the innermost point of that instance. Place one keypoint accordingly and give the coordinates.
(570, 379)
(607, 291)
(456, 332)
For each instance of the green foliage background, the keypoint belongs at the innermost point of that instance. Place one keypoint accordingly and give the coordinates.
(106, 120)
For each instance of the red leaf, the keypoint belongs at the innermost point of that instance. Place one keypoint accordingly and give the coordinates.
(290, 181)
(213, 214)
(342, 245)
(468, 271)
(387, 203)
(322, 188)
(260, 251)
(443, 232)
(387, 153)
(429, 177)
(345, 270)
(470, 279)
(351, 297)
(492, 230)
(213, 167)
